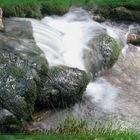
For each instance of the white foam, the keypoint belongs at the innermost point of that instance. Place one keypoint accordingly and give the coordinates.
(63, 38)
(102, 93)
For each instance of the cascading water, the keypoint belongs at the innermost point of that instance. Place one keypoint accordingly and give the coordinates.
(64, 40)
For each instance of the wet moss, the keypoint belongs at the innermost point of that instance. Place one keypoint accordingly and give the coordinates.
(62, 87)
(115, 53)
(16, 71)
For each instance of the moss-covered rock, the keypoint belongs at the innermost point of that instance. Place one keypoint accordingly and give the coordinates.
(122, 13)
(102, 11)
(21, 64)
(102, 53)
(17, 87)
(116, 12)
(62, 87)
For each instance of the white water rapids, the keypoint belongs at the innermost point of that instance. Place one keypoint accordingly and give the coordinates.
(63, 40)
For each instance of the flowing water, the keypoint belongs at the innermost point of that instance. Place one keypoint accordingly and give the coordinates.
(64, 40)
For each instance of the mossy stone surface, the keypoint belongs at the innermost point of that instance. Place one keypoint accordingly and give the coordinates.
(21, 64)
(103, 52)
(62, 87)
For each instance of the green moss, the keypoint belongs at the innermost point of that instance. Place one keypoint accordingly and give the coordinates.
(62, 87)
(16, 71)
(115, 53)
(30, 97)
(22, 105)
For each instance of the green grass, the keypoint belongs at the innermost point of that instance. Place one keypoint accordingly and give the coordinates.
(72, 126)
(75, 129)
(21, 8)
(62, 6)
(35, 8)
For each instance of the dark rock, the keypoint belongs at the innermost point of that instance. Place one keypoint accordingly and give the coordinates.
(9, 122)
(62, 87)
(7, 117)
(21, 64)
(102, 11)
(122, 13)
(126, 13)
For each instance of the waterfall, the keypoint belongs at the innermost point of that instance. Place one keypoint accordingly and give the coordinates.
(63, 39)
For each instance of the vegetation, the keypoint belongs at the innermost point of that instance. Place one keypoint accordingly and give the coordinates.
(73, 126)
(75, 129)
(35, 8)
(21, 8)
(115, 53)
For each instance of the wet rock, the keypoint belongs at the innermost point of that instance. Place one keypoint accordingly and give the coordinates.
(21, 64)
(8, 122)
(1, 21)
(118, 13)
(134, 37)
(122, 13)
(102, 11)
(7, 117)
(102, 54)
(99, 18)
(62, 87)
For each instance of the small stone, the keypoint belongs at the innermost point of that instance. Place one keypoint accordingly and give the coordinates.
(1, 21)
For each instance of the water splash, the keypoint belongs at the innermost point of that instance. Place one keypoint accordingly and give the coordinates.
(103, 93)
(63, 40)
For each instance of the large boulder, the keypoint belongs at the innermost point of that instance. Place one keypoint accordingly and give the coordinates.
(62, 87)
(1, 20)
(21, 64)
(102, 53)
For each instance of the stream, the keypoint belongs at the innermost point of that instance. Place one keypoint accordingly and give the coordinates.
(115, 94)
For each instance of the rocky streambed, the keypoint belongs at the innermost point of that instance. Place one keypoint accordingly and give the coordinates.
(115, 96)
(27, 82)
(36, 95)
